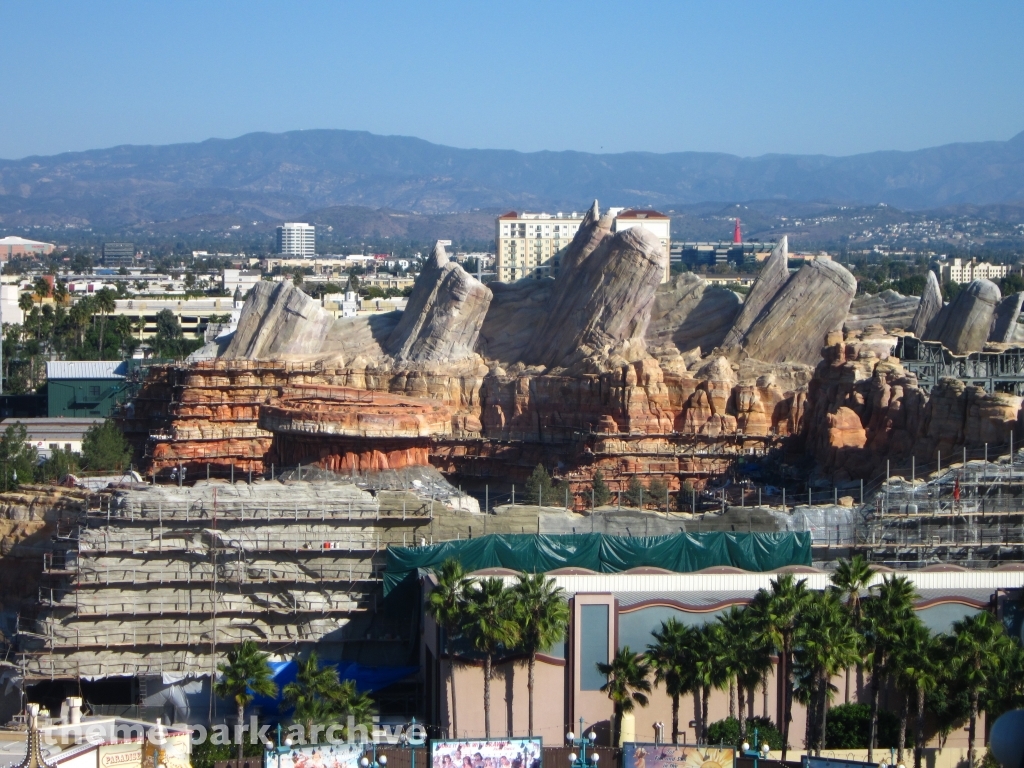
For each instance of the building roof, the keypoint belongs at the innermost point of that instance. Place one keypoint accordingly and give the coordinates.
(640, 214)
(86, 369)
(53, 430)
(509, 215)
(11, 240)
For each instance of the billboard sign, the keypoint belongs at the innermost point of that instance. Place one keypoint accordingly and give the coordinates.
(676, 756)
(486, 753)
(324, 756)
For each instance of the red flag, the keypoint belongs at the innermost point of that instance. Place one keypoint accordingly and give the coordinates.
(956, 489)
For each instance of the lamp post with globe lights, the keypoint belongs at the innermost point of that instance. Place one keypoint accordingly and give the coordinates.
(283, 747)
(583, 743)
(378, 760)
(892, 760)
(757, 751)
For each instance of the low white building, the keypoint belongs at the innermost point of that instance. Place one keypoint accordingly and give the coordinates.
(964, 271)
(242, 280)
(47, 435)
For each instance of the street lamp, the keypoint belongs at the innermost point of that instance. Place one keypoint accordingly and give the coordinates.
(892, 760)
(283, 747)
(758, 751)
(408, 743)
(381, 760)
(583, 743)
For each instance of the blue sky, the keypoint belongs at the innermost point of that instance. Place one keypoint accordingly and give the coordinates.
(745, 78)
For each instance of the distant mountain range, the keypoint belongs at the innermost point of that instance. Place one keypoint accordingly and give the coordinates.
(262, 177)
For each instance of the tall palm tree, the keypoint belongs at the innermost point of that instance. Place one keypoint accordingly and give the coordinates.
(543, 616)
(446, 605)
(245, 676)
(776, 610)
(671, 658)
(916, 673)
(850, 578)
(754, 664)
(627, 684)
(731, 638)
(105, 305)
(826, 643)
(491, 626)
(976, 646)
(312, 692)
(888, 616)
(346, 701)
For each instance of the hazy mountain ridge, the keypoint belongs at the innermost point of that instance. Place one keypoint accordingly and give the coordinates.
(274, 176)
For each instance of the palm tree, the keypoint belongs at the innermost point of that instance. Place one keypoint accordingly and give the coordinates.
(887, 619)
(105, 305)
(346, 701)
(850, 578)
(543, 616)
(976, 646)
(312, 693)
(729, 650)
(491, 626)
(446, 605)
(246, 675)
(917, 673)
(776, 611)
(627, 684)
(671, 658)
(826, 643)
(754, 661)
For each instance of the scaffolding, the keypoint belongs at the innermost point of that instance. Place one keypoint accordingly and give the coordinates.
(969, 514)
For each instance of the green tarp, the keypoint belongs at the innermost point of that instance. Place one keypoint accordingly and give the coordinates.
(681, 552)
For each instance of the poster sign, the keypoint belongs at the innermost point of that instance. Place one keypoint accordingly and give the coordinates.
(486, 753)
(324, 756)
(669, 756)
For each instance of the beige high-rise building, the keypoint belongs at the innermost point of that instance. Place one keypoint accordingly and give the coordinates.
(532, 244)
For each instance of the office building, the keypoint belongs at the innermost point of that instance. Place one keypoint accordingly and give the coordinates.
(532, 244)
(963, 271)
(19, 246)
(296, 239)
(118, 254)
(240, 280)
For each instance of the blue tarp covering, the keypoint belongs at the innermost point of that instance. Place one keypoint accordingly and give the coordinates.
(367, 679)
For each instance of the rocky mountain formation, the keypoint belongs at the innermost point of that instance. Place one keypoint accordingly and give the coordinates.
(600, 368)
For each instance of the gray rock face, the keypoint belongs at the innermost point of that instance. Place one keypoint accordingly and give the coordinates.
(277, 321)
(601, 301)
(517, 310)
(770, 279)
(442, 320)
(928, 308)
(793, 327)
(689, 312)
(1004, 321)
(963, 325)
(888, 309)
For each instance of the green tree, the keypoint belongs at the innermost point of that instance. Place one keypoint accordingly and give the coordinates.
(601, 494)
(313, 693)
(543, 617)
(916, 674)
(657, 492)
(538, 486)
(776, 611)
(446, 605)
(104, 448)
(17, 460)
(671, 658)
(850, 578)
(61, 463)
(245, 676)
(634, 492)
(729, 731)
(105, 305)
(826, 644)
(491, 626)
(887, 617)
(977, 642)
(627, 685)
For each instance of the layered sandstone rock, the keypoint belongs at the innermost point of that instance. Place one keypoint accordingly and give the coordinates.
(601, 301)
(443, 317)
(963, 325)
(773, 275)
(793, 326)
(929, 306)
(1004, 320)
(690, 313)
(889, 309)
